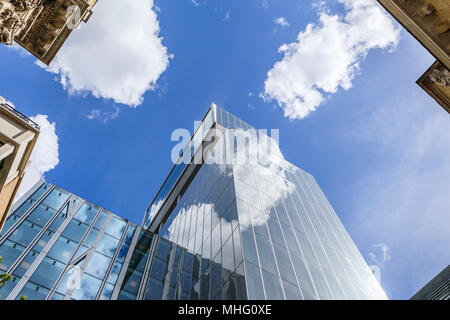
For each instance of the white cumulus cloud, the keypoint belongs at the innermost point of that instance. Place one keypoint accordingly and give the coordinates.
(117, 55)
(44, 157)
(327, 56)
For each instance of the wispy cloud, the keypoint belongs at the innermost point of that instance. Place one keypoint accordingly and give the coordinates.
(197, 3)
(327, 56)
(103, 116)
(320, 5)
(404, 200)
(281, 21)
(118, 55)
(227, 15)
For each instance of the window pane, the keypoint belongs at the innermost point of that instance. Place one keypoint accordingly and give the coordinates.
(284, 264)
(116, 227)
(9, 251)
(26, 263)
(86, 213)
(228, 255)
(291, 291)
(47, 272)
(272, 285)
(101, 219)
(6, 289)
(320, 282)
(275, 232)
(108, 245)
(98, 265)
(12, 219)
(302, 274)
(45, 238)
(55, 199)
(248, 244)
(75, 230)
(254, 284)
(63, 249)
(266, 257)
(88, 288)
(107, 292)
(25, 233)
(89, 241)
(24, 207)
(114, 274)
(33, 292)
(41, 214)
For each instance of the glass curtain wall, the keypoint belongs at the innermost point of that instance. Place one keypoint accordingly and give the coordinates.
(258, 217)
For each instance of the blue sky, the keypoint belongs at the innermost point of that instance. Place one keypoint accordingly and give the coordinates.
(377, 144)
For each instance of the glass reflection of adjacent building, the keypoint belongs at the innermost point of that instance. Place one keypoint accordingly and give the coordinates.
(220, 228)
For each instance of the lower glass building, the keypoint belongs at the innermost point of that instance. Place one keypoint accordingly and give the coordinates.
(57, 246)
(233, 220)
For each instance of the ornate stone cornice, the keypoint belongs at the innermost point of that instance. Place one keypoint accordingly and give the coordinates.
(13, 17)
(41, 26)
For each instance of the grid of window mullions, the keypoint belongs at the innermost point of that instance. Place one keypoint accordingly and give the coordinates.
(312, 232)
(290, 253)
(74, 255)
(269, 233)
(25, 215)
(140, 254)
(314, 226)
(276, 262)
(337, 224)
(196, 234)
(113, 261)
(357, 263)
(349, 250)
(63, 207)
(317, 225)
(38, 236)
(335, 242)
(295, 235)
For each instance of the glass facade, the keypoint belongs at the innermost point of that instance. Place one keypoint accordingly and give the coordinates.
(62, 247)
(268, 221)
(242, 227)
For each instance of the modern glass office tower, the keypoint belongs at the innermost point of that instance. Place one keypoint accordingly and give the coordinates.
(233, 199)
(233, 220)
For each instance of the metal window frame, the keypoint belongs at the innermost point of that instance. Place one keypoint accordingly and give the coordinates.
(26, 277)
(80, 244)
(126, 263)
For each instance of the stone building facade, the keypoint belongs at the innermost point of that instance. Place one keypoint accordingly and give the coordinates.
(41, 26)
(429, 22)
